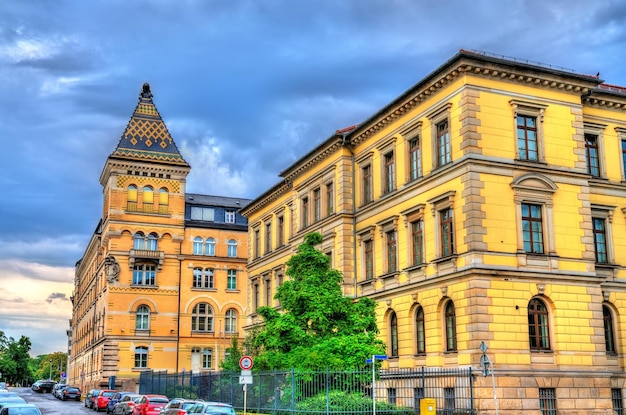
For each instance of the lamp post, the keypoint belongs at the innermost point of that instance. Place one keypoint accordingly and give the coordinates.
(50, 362)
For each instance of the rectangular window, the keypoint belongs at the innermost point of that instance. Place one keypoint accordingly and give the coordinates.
(624, 158)
(591, 151)
(417, 234)
(317, 205)
(527, 145)
(231, 279)
(392, 258)
(446, 221)
(144, 274)
(330, 200)
(444, 147)
(532, 228)
(257, 243)
(616, 397)
(268, 237)
(368, 257)
(207, 359)
(202, 213)
(305, 212)
(599, 240)
(268, 292)
(367, 183)
(229, 216)
(280, 230)
(390, 173)
(255, 295)
(415, 159)
(547, 401)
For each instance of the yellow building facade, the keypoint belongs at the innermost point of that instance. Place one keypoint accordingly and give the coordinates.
(162, 283)
(486, 204)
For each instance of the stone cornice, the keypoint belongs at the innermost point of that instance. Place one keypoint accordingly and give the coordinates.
(266, 198)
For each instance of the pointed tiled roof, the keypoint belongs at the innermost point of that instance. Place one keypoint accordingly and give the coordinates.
(146, 137)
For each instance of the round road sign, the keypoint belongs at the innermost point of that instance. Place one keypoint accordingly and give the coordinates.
(245, 363)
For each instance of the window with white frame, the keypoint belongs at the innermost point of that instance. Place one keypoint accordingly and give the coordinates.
(389, 172)
(203, 278)
(202, 213)
(207, 358)
(144, 273)
(141, 357)
(414, 158)
(209, 247)
(450, 325)
(140, 241)
(393, 334)
(198, 245)
(142, 318)
(528, 124)
(441, 137)
(202, 318)
(232, 248)
(230, 321)
(538, 325)
(317, 204)
(229, 216)
(594, 149)
(231, 279)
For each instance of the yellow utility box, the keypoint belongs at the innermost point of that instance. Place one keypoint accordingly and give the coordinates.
(428, 406)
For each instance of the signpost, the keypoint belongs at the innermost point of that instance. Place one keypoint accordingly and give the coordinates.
(245, 379)
(487, 367)
(373, 362)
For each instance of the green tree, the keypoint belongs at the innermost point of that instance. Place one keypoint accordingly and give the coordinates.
(50, 366)
(318, 326)
(231, 362)
(14, 359)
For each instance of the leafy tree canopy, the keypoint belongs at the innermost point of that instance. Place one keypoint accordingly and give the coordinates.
(318, 326)
(14, 358)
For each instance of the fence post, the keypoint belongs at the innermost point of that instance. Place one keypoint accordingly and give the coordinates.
(293, 390)
(327, 394)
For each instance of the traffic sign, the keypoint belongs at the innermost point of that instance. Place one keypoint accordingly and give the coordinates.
(245, 380)
(246, 362)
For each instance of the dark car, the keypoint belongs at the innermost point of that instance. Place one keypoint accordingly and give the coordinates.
(71, 392)
(100, 403)
(91, 397)
(57, 390)
(126, 404)
(42, 386)
(150, 404)
(113, 400)
(213, 408)
(178, 406)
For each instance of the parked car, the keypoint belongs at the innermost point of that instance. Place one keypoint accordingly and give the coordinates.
(91, 397)
(126, 404)
(213, 408)
(20, 409)
(58, 389)
(178, 406)
(71, 392)
(115, 399)
(150, 404)
(42, 386)
(100, 403)
(11, 401)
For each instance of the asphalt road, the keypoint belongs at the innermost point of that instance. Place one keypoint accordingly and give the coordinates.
(49, 405)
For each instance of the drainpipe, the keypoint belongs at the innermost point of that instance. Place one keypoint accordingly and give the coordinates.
(180, 281)
(346, 143)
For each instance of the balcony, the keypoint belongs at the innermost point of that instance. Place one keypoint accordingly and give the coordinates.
(145, 254)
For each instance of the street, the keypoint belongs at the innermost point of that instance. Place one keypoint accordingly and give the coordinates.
(49, 405)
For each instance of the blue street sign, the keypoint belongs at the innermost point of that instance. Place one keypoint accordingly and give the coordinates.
(377, 357)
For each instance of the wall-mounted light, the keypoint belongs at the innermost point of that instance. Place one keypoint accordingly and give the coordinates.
(122, 330)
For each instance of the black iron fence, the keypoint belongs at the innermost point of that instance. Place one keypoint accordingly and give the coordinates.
(397, 391)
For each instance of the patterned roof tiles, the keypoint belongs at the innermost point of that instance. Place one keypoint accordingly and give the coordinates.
(146, 137)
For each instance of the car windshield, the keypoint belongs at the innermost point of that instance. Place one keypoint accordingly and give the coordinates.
(108, 394)
(215, 409)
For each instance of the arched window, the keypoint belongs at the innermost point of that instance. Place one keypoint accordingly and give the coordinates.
(131, 198)
(230, 321)
(538, 329)
(164, 201)
(207, 358)
(450, 327)
(209, 247)
(609, 334)
(142, 319)
(152, 242)
(197, 245)
(232, 248)
(202, 318)
(148, 195)
(139, 241)
(141, 357)
(420, 333)
(393, 334)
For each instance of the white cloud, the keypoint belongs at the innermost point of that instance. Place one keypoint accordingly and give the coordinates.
(28, 49)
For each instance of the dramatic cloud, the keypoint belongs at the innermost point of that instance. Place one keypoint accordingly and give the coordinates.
(245, 87)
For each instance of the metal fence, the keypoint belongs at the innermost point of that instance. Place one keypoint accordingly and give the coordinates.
(398, 391)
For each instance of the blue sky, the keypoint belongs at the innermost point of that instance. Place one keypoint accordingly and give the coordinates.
(245, 88)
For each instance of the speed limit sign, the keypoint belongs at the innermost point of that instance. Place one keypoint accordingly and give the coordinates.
(245, 363)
